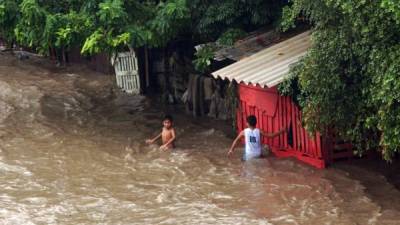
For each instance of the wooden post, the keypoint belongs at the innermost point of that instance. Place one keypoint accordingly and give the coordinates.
(64, 58)
(146, 58)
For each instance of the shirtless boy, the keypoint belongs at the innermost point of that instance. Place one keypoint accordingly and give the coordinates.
(167, 135)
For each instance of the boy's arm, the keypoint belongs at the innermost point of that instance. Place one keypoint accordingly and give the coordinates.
(271, 135)
(165, 146)
(151, 141)
(241, 134)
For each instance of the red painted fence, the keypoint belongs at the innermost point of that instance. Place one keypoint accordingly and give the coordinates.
(275, 112)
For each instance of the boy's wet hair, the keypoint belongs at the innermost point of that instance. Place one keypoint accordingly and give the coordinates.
(168, 117)
(252, 120)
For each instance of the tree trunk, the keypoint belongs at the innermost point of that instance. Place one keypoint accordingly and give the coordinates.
(64, 58)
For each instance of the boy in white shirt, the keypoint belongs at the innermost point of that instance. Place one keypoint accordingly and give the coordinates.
(252, 138)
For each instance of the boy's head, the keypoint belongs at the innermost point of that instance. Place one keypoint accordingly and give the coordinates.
(251, 121)
(167, 121)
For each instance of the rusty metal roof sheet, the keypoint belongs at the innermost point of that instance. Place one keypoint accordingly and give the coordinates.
(268, 67)
(255, 42)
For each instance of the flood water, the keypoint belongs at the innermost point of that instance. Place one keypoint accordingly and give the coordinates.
(72, 152)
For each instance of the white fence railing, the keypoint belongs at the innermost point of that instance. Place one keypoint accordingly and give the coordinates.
(127, 72)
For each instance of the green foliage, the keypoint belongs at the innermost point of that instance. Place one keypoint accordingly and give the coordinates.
(392, 6)
(95, 43)
(94, 25)
(290, 86)
(230, 36)
(72, 30)
(170, 18)
(203, 59)
(8, 18)
(109, 28)
(132, 24)
(350, 79)
(112, 12)
(112, 25)
(29, 30)
(211, 18)
(226, 21)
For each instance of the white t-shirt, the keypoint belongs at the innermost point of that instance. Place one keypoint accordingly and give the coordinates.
(252, 143)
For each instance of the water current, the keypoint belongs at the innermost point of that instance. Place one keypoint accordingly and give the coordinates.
(72, 152)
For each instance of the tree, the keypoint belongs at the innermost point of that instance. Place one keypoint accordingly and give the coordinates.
(9, 15)
(134, 24)
(350, 79)
(44, 25)
(211, 19)
(226, 21)
(93, 25)
(110, 25)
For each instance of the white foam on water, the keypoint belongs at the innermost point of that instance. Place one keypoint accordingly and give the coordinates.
(15, 169)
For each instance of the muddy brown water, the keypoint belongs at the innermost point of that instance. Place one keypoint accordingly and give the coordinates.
(72, 152)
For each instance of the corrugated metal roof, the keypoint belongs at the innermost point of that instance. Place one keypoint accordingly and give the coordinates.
(268, 67)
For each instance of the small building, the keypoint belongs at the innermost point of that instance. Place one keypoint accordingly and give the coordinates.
(258, 76)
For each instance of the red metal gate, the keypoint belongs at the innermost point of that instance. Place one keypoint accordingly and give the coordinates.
(275, 112)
